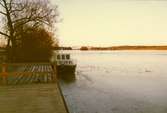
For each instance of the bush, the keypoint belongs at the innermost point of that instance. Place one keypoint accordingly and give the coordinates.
(35, 45)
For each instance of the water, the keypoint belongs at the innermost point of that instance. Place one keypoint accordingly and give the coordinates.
(118, 82)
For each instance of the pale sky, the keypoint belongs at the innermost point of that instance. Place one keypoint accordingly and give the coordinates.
(112, 22)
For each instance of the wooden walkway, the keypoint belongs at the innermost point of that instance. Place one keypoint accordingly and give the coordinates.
(31, 98)
(28, 74)
(30, 88)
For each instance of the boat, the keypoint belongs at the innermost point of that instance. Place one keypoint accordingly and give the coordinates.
(65, 65)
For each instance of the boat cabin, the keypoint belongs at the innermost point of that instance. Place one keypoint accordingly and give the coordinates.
(63, 59)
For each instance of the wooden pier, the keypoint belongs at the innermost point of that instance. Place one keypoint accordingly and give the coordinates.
(12, 74)
(30, 88)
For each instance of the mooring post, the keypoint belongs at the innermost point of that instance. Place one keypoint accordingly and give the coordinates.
(4, 73)
(54, 72)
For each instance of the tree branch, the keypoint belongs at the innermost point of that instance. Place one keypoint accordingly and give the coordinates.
(2, 5)
(4, 34)
(10, 5)
(3, 13)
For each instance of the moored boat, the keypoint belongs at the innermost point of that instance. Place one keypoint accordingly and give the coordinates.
(65, 65)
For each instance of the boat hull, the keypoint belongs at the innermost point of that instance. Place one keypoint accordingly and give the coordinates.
(66, 71)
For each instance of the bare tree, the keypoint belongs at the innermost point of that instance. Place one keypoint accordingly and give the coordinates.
(15, 14)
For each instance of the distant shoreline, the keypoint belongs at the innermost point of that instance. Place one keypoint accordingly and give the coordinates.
(113, 48)
(125, 48)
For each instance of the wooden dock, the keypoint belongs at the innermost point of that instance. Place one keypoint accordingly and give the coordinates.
(31, 98)
(30, 89)
(13, 74)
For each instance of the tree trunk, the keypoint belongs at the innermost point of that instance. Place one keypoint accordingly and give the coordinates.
(11, 29)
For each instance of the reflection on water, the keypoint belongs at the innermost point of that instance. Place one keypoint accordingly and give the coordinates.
(118, 82)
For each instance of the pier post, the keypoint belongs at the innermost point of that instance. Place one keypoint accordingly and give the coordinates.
(4, 73)
(54, 73)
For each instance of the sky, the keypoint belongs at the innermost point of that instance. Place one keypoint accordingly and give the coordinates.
(112, 22)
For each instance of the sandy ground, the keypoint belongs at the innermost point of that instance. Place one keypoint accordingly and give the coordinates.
(31, 98)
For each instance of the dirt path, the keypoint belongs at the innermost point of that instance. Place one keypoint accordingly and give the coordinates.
(31, 98)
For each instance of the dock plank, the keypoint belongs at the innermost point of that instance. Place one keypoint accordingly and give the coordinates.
(26, 74)
(31, 98)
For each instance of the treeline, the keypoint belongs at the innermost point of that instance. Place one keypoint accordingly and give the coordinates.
(126, 48)
(85, 48)
(62, 48)
(27, 26)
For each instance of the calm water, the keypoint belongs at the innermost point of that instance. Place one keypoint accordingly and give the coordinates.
(118, 82)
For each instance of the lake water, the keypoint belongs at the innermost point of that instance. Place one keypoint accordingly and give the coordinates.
(118, 82)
